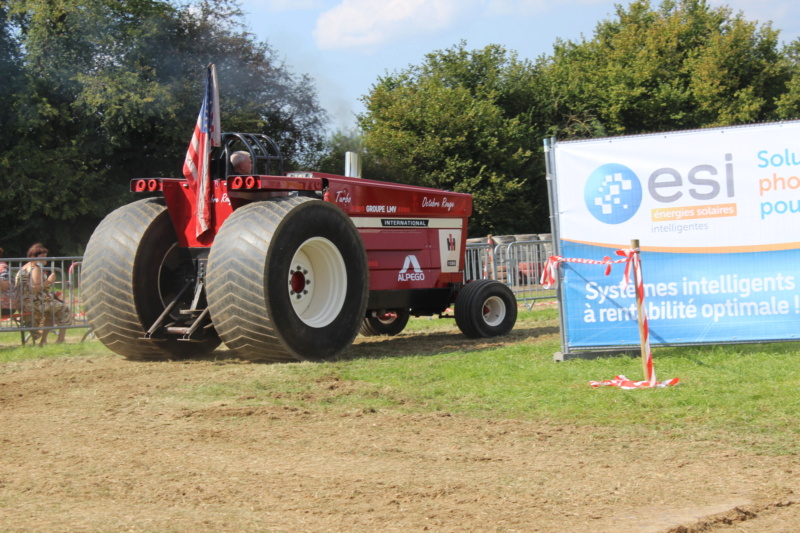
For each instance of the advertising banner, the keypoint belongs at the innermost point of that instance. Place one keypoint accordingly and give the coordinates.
(717, 214)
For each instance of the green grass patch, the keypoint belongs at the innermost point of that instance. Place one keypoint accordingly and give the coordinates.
(746, 395)
(22, 353)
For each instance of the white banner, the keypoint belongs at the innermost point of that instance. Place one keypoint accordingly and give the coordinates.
(716, 212)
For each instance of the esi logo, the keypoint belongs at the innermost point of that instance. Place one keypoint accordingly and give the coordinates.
(613, 193)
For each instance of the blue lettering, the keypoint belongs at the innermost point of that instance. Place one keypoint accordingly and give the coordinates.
(778, 159)
(780, 207)
(762, 158)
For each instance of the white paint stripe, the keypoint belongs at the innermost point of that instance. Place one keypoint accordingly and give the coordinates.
(435, 223)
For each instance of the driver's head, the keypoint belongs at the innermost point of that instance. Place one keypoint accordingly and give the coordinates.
(241, 163)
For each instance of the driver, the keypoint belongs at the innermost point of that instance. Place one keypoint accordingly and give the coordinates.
(241, 163)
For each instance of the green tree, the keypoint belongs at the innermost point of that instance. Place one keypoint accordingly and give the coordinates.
(331, 158)
(462, 121)
(10, 70)
(258, 91)
(788, 104)
(683, 65)
(474, 121)
(107, 91)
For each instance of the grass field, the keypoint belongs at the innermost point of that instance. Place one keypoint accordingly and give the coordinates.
(427, 430)
(744, 395)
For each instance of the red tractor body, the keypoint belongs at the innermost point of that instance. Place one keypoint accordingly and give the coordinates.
(292, 267)
(395, 221)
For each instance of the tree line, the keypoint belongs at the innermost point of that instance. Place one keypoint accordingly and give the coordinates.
(97, 92)
(474, 120)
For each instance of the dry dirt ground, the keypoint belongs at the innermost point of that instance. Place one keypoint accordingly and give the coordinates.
(101, 444)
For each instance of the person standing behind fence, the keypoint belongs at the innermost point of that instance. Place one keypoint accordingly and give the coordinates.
(35, 294)
(8, 297)
(5, 281)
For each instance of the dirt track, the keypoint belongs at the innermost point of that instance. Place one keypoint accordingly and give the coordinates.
(103, 444)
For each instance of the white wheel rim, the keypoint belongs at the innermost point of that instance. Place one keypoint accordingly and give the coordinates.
(317, 282)
(494, 311)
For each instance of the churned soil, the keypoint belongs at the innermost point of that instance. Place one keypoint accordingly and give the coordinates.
(95, 444)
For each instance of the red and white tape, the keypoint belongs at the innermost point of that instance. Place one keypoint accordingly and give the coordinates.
(630, 258)
(624, 383)
(549, 272)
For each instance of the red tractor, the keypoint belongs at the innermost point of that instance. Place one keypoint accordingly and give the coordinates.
(293, 266)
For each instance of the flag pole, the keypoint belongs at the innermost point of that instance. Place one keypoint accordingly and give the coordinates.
(196, 167)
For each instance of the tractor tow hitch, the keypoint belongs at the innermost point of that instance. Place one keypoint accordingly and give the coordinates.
(161, 326)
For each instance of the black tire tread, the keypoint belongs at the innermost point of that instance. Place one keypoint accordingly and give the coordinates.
(236, 279)
(240, 302)
(469, 304)
(108, 290)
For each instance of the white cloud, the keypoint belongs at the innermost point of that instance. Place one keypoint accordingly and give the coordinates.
(759, 9)
(517, 7)
(367, 24)
(528, 8)
(783, 14)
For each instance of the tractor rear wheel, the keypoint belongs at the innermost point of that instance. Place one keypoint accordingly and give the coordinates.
(389, 323)
(131, 270)
(287, 280)
(485, 308)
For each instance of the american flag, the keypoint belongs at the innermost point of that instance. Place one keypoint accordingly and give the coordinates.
(198, 157)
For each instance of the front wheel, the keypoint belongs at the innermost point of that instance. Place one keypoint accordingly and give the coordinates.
(485, 308)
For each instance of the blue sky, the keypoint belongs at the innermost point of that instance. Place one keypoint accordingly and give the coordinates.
(345, 45)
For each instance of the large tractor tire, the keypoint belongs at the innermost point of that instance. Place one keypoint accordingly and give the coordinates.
(390, 323)
(131, 270)
(485, 308)
(287, 280)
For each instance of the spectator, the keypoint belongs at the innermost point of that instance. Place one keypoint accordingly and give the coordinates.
(35, 295)
(5, 282)
(241, 163)
(8, 294)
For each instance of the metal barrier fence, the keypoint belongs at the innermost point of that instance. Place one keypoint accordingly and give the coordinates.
(23, 309)
(518, 264)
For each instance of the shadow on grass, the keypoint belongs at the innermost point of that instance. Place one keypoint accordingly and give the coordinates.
(434, 343)
(403, 345)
